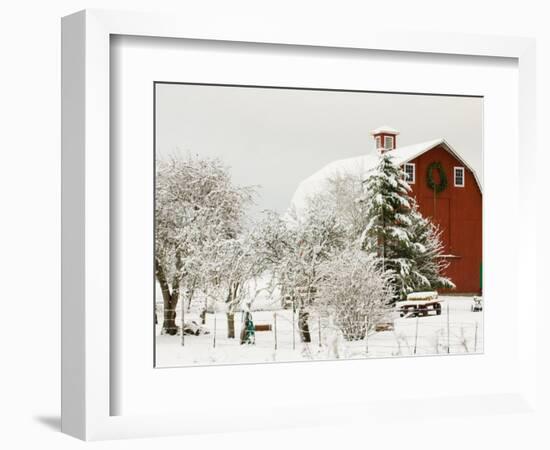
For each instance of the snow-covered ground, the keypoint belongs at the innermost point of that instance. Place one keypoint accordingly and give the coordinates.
(423, 336)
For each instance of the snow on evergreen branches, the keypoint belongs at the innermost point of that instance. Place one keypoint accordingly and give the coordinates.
(405, 243)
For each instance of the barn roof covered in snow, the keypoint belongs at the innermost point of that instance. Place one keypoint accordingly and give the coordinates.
(361, 165)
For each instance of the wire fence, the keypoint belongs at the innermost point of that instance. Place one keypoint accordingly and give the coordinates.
(455, 330)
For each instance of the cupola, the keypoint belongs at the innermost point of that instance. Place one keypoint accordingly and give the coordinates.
(385, 138)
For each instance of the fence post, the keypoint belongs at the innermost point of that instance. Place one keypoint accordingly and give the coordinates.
(215, 319)
(416, 335)
(448, 330)
(275, 328)
(293, 325)
(475, 340)
(319, 330)
(182, 321)
(367, 334)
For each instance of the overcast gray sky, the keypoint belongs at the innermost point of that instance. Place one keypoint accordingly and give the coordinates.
(277, 137)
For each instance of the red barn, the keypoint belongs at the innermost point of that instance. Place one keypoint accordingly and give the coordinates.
(456, 208)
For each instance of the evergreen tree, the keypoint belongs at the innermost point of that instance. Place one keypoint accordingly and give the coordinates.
(406, 244)
(387, 234)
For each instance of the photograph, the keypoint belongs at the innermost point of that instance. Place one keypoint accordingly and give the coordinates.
(299, 224)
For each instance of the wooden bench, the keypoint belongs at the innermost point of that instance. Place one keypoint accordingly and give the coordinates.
(263, 327)
(383, 326)
(419, 304)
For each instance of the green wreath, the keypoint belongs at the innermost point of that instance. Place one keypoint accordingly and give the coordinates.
(442, 177)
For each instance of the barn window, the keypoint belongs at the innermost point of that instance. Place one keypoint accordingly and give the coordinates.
(388, 142)
(378, 142)
(410, 173)
(459, 176)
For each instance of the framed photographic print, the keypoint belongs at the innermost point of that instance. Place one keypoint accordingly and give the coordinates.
(290, 216)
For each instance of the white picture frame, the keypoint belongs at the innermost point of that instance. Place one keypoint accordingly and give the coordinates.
(86, 284)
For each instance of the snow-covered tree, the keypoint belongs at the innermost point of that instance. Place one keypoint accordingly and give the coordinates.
(320, 236)
(354, 291)
(406, 244)
(272, 240)
(229, 272)
(342, 195)
(388, 210)
(196, 205)
(292, 248)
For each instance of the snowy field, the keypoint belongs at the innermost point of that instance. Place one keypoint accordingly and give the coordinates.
(456, 330)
